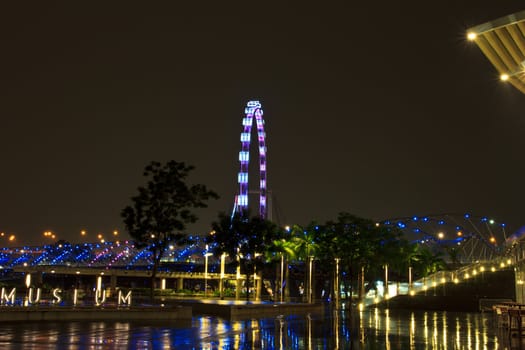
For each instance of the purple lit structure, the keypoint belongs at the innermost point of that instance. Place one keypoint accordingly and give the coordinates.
(253, 110)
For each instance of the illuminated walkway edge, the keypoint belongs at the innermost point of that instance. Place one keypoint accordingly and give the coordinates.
(169, 313)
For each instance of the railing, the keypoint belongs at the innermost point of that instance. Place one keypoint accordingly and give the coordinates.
(440, 278)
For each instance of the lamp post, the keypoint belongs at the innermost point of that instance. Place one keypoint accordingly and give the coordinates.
(410, 278)
(336, 282)
(310, 265)
(386, 282)
(281, 289)
(206, 255)
(221, 281)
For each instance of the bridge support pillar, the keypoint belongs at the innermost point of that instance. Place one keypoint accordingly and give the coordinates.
(180, 283)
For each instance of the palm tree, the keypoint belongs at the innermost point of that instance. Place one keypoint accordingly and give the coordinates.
(304, 242)
(361, 245)
(281, 250)
(427, 262)
(244, 239)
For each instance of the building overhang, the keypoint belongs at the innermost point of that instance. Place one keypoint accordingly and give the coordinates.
(502, 41)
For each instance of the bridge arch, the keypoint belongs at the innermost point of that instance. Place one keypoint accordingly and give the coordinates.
(472, 238)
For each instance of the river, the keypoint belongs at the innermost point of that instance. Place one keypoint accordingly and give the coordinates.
(369, 329)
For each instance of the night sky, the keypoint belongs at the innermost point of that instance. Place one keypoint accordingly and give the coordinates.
(381, 109)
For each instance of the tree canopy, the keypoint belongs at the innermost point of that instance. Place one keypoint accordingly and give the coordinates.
(245, 239)
(162, 209)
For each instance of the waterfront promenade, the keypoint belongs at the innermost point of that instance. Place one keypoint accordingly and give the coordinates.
(168, 310)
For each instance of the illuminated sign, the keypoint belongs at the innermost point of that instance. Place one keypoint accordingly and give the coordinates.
(34, 297)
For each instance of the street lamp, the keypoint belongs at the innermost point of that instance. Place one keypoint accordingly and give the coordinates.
(282, 271)
(336, 280)
(206, 271)
(410, 277)
(310, 265)
(386, 292)
(221, 282)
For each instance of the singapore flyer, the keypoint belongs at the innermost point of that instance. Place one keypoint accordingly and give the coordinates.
(252, 111)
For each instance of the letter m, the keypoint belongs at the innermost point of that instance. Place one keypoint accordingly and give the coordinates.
(124, 300)
(8, 298)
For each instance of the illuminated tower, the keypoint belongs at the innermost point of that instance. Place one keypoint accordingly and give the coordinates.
(252, 111)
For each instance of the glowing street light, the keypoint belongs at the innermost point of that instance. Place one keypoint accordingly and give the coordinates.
(206, 255)
(281, 275)
(310, 289)
(221, 281)
(336, 280)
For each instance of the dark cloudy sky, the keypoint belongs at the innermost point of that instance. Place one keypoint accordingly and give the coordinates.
(381, 109)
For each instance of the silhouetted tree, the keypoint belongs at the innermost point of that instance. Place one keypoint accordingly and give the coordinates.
(306, 245)
(244, 239)
(162, 209)
(360, 244)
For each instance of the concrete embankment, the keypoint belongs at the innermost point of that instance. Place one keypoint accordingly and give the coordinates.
(11, 314)
(236, 310)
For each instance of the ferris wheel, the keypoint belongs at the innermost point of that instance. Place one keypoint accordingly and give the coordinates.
(253, 111)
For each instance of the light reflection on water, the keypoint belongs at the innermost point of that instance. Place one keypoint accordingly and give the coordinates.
(371, 329)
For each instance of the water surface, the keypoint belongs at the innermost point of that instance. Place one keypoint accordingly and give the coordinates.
(370, 329)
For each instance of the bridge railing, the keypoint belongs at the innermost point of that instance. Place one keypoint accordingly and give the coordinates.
(440, 278)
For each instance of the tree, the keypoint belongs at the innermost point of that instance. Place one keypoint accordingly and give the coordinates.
(304, 240)
(162, 209)
(360, 244)
(244, 239)
(427, 262)
(281, 251)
